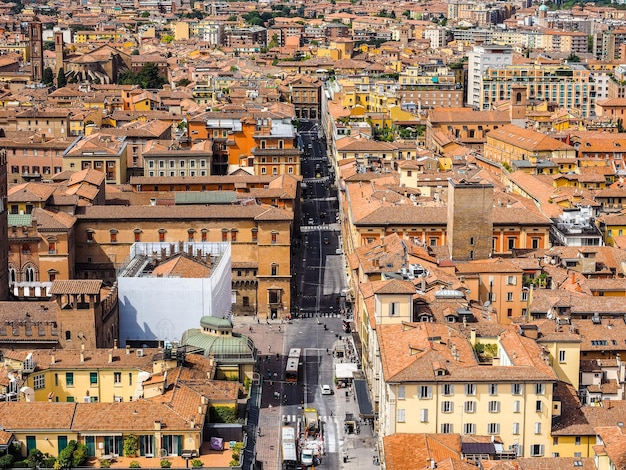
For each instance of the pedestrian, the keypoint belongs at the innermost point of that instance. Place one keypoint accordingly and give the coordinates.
(279, 330)
(258, 431)
(270, 327)
(331, 414)
(269, 348)
(258, 322)
(250, 329)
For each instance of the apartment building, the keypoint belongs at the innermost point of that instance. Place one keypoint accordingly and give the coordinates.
(436, 379)
(570, 86)
(102, 153)
(424, 87)
(480, 59)
(163, 160)
(525, 149)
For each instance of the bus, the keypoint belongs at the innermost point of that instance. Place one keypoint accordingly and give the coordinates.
(293, 363)
(289, 453)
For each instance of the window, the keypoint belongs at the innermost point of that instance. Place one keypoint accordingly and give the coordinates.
(538, 406)
(162, 235)
(447, 389)
(493, 428)
(470, 407)
(233, 235)
(224, 235)
(511, 243)
(494, 407)
(447, 407)
(117, 378)
(515, 429)
(516, 389)
(394, 308)
(255, 234)
(517, 406)
(93, 378)
(470, 389)
(561, 356)
(401, 414)
(536, 450)
(509, 296)
(137, 233)
(425, 391)
(39, 381)
(577, 441)
(190, 235)
(540, 389)
(537, 427)
(89, 236)
(52, 248)
(469, 428)
(113, 236)
(274, 238)
(204, 234)
(130, 378)
(493, 389)
(401, 392)
(511, 281)
(424, 415)
(274, 269)
(446, 428)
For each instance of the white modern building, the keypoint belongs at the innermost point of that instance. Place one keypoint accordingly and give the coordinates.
(480, 59)
(166, 288)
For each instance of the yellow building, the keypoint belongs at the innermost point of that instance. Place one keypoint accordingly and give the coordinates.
(435, 380)
(613, 225)
(83, 37)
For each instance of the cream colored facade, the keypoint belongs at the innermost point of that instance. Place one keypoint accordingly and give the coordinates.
(501, 397)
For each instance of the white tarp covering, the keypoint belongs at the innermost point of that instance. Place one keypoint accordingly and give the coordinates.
(345, 370)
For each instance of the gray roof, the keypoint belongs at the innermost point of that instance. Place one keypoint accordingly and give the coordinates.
(205, 197)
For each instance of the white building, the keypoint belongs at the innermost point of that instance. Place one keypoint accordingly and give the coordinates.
(437, 37)
(165, 289)
(480, 59)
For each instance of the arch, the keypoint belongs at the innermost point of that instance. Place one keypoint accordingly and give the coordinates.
(30, 273)
(12, 274)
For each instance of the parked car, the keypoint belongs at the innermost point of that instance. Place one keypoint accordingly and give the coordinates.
(326, 390)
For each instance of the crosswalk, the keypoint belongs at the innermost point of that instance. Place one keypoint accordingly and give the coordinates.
(316, 228)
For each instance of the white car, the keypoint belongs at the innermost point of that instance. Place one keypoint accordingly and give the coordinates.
(326, 390)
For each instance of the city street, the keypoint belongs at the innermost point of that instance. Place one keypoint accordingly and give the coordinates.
(316, 329)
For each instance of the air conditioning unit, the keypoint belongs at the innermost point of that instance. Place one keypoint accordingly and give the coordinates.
(139, 352)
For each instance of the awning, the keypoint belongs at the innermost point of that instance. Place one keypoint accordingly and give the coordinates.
(345, 370)
(100, 434)
(363, 399)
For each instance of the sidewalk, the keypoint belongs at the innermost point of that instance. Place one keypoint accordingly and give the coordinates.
(359, 448)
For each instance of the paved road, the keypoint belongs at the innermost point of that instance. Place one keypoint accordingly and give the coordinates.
(319, 278)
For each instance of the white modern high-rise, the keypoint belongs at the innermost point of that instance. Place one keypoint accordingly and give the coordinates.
(481, 58)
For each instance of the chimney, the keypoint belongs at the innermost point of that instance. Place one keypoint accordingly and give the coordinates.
(82, 357)
(52, 358)
(115, 343)
(473, 337)
(157, 425)
(110, 357)
(192, 423)
(128, 349)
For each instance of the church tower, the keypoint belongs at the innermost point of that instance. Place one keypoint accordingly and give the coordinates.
(58, 52)
(4, 235)
(36, 50)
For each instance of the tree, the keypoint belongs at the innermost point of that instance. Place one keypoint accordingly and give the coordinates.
(573, 58)
(48, 76)
(147, 77)
(167, 38)
(48, 45)
(145, 14)
(183, 82)
(61, 80)
(135, 52)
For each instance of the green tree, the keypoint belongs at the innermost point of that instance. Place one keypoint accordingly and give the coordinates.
(131, 446)
(35, 457)
(147, 77)
(167, 38)
(48, 76)
(145, 14)
(135, 52)
(232, 18)
(183, 82)
(61, 80)
(48, 45)
(573, 58)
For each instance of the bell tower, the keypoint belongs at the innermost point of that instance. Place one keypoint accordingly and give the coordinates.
(58, 52)
(36, 50)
